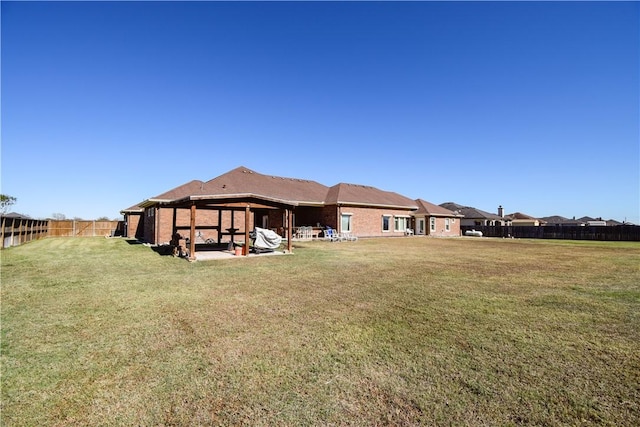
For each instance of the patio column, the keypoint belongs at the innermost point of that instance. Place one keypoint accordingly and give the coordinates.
(192, 234)
(174, 224)
(289, 229)
(245, 248)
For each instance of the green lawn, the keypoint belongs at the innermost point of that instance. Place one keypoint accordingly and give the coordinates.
(399, 331)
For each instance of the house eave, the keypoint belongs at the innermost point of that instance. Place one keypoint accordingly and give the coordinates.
(440, 215)
(225, 197)
(373, 205)
(130, 211)
(152, 202)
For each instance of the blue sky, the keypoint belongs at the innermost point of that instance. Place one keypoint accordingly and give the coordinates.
(530, 105)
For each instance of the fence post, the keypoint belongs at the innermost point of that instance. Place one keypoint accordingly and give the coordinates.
(4, 221)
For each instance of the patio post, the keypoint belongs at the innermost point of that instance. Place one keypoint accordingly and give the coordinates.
(192, 233)
(245, 248)
(289, 229)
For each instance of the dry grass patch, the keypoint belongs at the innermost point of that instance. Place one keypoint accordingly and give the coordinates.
(407, 331)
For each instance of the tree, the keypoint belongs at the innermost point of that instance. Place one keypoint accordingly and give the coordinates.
(58, 216)
(6, 202)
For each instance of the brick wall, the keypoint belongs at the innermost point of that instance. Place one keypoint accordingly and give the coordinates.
(135, 226)
(454, 224)
(205, 220)
(367, 222)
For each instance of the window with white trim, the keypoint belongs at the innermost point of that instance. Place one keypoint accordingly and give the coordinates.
(432, 223)
(401, 223)
(447, 224)
(386, 222)
(345, 222)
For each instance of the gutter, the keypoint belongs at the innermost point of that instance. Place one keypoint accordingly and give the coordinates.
(412, 208)
(150, 202)
(231, 196)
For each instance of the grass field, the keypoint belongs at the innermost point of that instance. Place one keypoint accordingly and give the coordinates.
(401, 331)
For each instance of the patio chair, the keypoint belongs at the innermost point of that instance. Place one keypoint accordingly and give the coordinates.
(332, 235)
(349, 237)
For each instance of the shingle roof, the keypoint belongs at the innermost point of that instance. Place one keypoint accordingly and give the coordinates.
(428, 208)
(556, 219)
(520, 215)
(195, 187)
(191, 188)
(15, 215)
(243, 180)
(356, 194)
(470, 212)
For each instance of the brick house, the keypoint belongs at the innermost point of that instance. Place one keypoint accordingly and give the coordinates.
(475, 217)
(227, 207)
(518, 219)
(434, 220)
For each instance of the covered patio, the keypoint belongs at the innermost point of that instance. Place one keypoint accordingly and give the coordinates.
(249, 204)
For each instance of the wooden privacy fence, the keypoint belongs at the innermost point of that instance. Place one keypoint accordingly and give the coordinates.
(614, 233)
(82, 228)
(16, 231)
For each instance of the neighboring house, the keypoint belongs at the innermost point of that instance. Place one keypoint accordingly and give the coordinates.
(584, 221)
(558, 221)
(475, 217)
(519, 219)
(434, 220)
(15, 215)
(598, 222)
(229, 206)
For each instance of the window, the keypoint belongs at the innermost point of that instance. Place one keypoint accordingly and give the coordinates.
(401, 223)
(386, 221)
(447, 224)
(150, 212)
(345, 222)
(432, 223)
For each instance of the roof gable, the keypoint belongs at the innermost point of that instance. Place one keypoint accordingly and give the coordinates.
(428, 208)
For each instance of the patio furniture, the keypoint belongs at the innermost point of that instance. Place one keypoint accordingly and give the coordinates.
(265, 240)
(303, 233)
(349, 237)
(333, 235)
